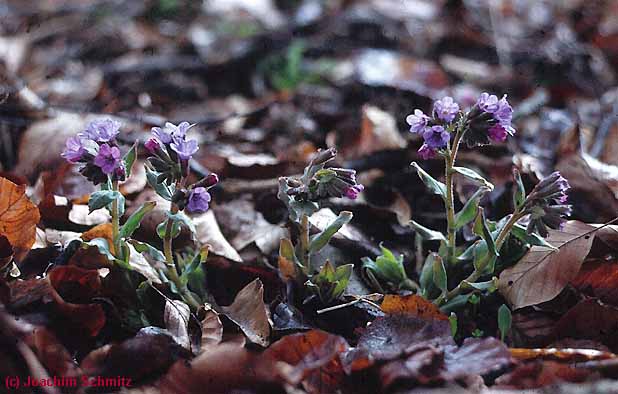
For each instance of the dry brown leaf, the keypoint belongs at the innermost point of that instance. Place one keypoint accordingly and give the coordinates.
(18, 215)
(412, 304)
(250, 314)
(543, 272)
(176, 317)
(209, 233)
(212, 330)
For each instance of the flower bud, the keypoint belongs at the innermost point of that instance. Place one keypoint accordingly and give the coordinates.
(208, 181)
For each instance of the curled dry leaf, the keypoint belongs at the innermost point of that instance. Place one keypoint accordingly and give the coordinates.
(176, 317)
(250, 314)
(539, 374)
(413, 305)
(150, 352)
(18, 215)
(223, 369)
(212, 330)
(543, 272)
(394, 335)
(599, 278)
(590, 319)
(209, 233)
(315, 357)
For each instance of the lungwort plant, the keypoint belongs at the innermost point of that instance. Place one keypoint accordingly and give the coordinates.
(97, 151)
(450, 274)
(303, 196)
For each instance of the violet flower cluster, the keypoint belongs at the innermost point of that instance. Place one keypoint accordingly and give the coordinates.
(171, 151)
(97, 149)
(547, 204)
(489, 119)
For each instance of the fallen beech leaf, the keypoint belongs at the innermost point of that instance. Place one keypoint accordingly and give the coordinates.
(176, 317)
(223, 369)
(412, 304)
(391, 336)
(80, 214)
(598, 278)
(208, 232)
(212, 330)
(564, 355)
(138, 263)
(543, 272)
(150, 352)
(590, 319)
(429, 364)
(250, 314)
(541, 374)
(315, 357)
(18, 215)
(6, 251)
(88, 316)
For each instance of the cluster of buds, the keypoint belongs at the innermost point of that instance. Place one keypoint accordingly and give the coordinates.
(318, 183)
(547, 204)
(488, 119)
(96, 148)
(171, 151)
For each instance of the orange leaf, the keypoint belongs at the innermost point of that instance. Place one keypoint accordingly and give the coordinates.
(18, 215)
(412, 304)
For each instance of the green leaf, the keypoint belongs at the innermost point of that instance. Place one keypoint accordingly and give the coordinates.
(321, 240)
(426, 233)
(102, 245)
(330, 283)
(198, 259)
(426, 277)
(489, 286)
(143, 247)
(162, 227)
(452, 320)
(435, 186)
(129, 159)
(475, 176)
(455, 303)
(161, 188)
(387, 267)
(470, 209)
(504, 321)
(481, 229)
(439, 274)
(184, 220)
(519, 191)
(519, 232)
(103, 198)
(133, 222)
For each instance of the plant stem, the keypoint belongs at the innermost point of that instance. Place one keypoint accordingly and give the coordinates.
(450, 198)
(172, 271)
(304, 243)
(115, 222)
(475, 275)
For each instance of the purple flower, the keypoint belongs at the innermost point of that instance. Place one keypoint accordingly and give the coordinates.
(417, 121)
(488, 103)
(108, 158)
(171, 131)
(352, 192)
(446, 109)
(436, 137)
(102, 130)
(426, 153)
(74, 150)
(198, 201)
(546, 204)
(504, 112)
(185, 149)
(153, 146)
(497, 133)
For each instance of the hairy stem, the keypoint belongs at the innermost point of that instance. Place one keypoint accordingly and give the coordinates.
(476, 274)
(115, 222)
(304, 243)
(172, 270)
(450, 198)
